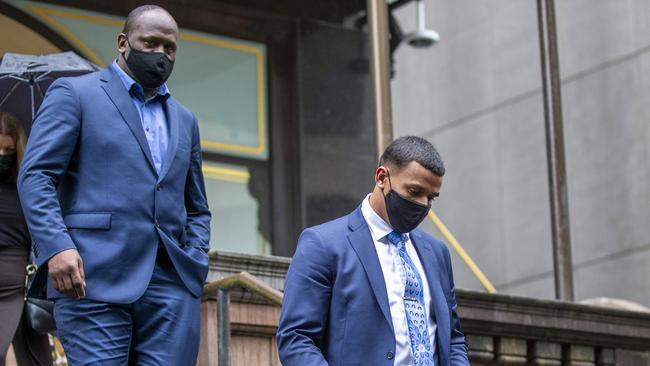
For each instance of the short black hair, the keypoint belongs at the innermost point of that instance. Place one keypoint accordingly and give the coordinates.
(136, 13)
(406, 149)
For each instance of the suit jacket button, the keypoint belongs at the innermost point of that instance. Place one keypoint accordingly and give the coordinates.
(157, 187)
(390, 355)
(156, 223)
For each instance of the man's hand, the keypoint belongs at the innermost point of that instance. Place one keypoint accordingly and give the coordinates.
(67, 273)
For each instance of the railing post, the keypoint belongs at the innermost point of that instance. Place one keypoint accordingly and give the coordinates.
(223, 327)
(561, 234)
(378, 33)
(221, 290)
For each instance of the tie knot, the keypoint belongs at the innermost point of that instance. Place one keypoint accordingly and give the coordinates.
(396, 238)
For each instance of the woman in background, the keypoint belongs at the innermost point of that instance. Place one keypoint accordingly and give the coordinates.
(29, 348)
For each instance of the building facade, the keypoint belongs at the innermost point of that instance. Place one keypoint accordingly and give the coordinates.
(477, 96)
(282, 93)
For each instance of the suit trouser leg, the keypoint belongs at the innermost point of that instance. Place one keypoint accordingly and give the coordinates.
(160, 328)
(166, 321)
(93, 333)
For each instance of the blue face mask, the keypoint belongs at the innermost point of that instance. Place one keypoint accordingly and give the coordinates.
(404, 214)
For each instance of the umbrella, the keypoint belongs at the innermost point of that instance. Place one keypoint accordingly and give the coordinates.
(25, 78)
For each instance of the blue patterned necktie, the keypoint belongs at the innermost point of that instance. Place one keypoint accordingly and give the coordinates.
(416, 316)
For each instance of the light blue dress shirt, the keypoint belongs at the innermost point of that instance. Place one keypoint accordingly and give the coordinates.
(152, 115)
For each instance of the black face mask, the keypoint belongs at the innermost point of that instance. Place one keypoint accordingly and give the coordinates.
(151, 69)
(404, 214)
(7, 163)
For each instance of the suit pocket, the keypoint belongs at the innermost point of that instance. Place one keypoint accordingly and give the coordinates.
(88, 220)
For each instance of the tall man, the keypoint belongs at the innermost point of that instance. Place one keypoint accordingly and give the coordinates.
(113, 193)
(369, 288)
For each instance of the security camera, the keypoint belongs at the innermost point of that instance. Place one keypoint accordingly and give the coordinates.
(422, 37)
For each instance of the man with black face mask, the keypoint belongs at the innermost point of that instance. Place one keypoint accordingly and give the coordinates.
(113, 193)
(371, 289)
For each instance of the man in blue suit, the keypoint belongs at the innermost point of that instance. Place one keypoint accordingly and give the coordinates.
(369, 288)
(113, 192)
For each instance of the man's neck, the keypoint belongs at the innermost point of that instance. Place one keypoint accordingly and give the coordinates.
(148, 94)
(378, 205)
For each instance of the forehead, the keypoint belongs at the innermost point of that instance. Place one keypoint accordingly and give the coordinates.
(416, 173)
(154, 22)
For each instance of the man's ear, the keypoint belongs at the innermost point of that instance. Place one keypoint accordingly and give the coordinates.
(121, 43)
(381, 176)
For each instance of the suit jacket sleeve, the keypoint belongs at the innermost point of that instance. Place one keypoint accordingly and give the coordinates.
(196, 203)
(305, 306)
(458, 351)
(50, 148)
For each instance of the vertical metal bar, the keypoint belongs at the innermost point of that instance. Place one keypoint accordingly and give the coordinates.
(223, 327)
(551, 86)
(13, 88)
(420, 16)
(31, 90)
(380, 71)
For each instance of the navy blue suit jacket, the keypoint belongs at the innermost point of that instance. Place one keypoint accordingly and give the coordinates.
(88, 182)
(335, 309)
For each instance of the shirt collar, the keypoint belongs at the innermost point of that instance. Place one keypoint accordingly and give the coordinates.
(134, 87)
(379, 228)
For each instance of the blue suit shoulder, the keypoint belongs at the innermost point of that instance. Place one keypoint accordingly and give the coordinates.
(83, 88)
(81, 81)
(77, 85)
(337, 225)
(320, 245)
(337, 228)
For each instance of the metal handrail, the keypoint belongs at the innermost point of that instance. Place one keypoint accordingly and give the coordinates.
(221, 289)
(243, 280)
(461, 252)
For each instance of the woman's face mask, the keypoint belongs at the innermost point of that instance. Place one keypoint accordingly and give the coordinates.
(7, 163)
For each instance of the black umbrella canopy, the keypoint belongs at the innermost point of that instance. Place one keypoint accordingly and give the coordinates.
(25, 78)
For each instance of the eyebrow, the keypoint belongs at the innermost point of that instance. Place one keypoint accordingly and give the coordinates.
(419, 186)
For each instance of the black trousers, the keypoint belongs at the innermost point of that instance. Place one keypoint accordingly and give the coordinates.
(31, 349)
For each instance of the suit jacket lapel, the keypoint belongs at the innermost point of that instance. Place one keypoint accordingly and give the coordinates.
(438, 299)
(173, 122)
(362, 243)
(114, 87)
